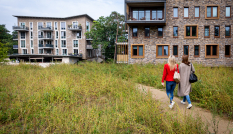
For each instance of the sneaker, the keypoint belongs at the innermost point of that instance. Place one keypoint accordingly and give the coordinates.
(182, 102)
(170, 106)
(189, 106)
(173, 102)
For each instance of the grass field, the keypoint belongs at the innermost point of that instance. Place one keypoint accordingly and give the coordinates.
(85, 98)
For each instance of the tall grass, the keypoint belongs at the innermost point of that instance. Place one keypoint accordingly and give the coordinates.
(87, 98)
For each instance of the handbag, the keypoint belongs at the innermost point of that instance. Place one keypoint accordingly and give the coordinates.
(176, 76)
(192, 77)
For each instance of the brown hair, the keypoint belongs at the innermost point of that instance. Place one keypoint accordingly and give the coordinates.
(185, 60)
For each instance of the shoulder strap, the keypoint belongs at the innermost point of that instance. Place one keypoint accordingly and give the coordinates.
(191, 66)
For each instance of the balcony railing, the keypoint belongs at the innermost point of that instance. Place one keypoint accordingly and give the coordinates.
(158, 16)
(74, 28)
(15, 46)
(47, 37)
(89, 47)
(20, 28)
(46, 45)
(47, 28)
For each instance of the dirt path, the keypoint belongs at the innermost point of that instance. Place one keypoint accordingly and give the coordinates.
(224, 125)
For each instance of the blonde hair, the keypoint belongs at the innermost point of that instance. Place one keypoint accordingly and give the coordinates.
(172, 62)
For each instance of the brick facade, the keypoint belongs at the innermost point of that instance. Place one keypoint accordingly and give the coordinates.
(150, 43)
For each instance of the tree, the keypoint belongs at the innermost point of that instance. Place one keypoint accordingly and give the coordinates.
(104, 32)
(3, 52)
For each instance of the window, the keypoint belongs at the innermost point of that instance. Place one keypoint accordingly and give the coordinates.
(63, 25)
(49, 42)
(216, 31)
(186, 50)
(196, 51)
(88, 26)
(79, 35)
(63, 34)
(49, 35)
(175, 50)
(175, 32)
(49, 25)
(197, 12)
(227, 50)
(25, 51)
(207, 32)
(40, 25)
(75, 51)
(40, 34)
(75, 43)
(23, 35)
(147, 14)
(22, 43)
(228, 12)
(31, 26)
(211, 51)
(49, 51)
(135, 31)
(32, 51)
(31, 35)
(228, 31)
(186, 12)
(162, 50)
(56, 43)
(64, 51)
(191, 31)
(160, 32)
(212, 12)
(175, 12)
(57, 52)
(41, 51)
(137, 51)
(56, 34)
(147, 32)
(55, 25)
(63, 43)
(41, 42)
(75, 24)
(31, 43)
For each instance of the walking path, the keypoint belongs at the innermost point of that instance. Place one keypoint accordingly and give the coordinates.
(224, 125)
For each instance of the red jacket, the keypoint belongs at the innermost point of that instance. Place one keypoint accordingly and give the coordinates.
(167, 74)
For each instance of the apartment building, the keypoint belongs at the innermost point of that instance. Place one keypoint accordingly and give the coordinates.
(46, 39)
(159, 28)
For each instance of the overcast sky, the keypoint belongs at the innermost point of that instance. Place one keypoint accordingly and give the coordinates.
(56, 8)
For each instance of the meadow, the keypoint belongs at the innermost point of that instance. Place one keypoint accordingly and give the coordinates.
(86, 98)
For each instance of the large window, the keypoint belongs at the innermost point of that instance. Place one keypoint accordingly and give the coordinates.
(63, 25)
(137, 51)
(228, 12)
(63, 34)
(227, 50)
(147, 14)
(216, 31)
(56, 43)
(191, 31)
(49, 25)
(175, 50)
(175, 12)
(55, 25)
(135, 32)
(211, 51)
(186, 50)
(197, 12)
(63, 43)
(23, 35)
(175, 32)
(40, 25)
(147, 32)
(56, 34)
(162, 50)
(212, 12)
(25, 51)
(79, 35)
(88, 26)
(32, 51)
(160, 32)
(228, 31)
(31, 26)
(31, 43)
(23, 44)
(75, 51)
(31, 35)
(186, 12)
(75, 43)
(196, 51)
(57, 52)
(41, 51)
(64, 51)
(207, 32)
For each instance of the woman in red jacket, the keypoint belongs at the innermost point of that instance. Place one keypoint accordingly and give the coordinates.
(168, 73)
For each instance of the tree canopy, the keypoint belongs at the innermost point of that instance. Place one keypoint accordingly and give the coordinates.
(104, 31)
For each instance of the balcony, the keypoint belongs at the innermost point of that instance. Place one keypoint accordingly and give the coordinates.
(89, 47)
(15, 37)
(15, 46)
(74, 28)
(47, 37)
(147, 12)
(49, 46)
(48, 28)
(21, 28)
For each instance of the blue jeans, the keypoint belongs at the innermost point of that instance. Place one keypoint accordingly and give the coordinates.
(170, 86)
(188, 99)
